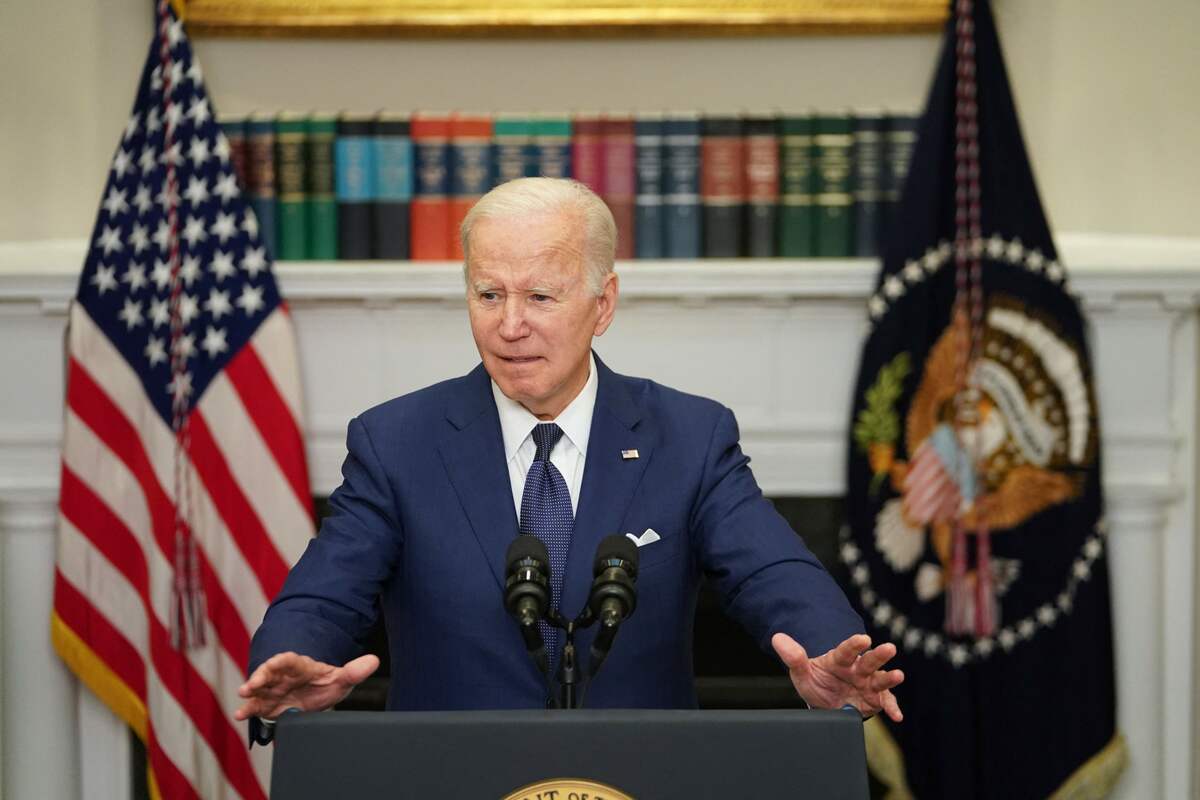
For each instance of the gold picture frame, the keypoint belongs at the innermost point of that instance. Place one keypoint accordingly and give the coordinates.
(559, 18)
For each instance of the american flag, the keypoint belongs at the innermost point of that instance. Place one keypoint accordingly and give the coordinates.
(184, 483)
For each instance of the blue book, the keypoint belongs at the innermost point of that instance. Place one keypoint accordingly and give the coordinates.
(393, 185)
(513, 155)
(260, 175)
(649, 225)
(681, 185)
(552, 146)
(354, 181)
(867, 182)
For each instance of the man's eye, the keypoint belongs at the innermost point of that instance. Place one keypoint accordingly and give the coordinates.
(488, 296)
(541, 298)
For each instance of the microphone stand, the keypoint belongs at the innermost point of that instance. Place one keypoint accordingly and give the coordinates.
(568, 669)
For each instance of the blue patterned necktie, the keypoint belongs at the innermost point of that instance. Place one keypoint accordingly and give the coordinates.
(546, 513)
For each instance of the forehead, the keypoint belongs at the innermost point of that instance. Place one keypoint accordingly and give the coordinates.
(533, 247)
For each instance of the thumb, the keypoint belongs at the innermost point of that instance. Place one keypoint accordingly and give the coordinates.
(356, 671)
(790, 652)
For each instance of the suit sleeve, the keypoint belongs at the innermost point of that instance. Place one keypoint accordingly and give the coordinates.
(769, 580)
(329, 601)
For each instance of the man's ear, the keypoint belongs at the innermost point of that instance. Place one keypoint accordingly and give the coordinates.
(607, 303)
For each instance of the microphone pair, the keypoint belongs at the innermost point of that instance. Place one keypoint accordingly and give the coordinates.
(612, 599)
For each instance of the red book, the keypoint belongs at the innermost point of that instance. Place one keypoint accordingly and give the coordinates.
(620, 179)
(430, 210)
(587, 151)
(470, 169)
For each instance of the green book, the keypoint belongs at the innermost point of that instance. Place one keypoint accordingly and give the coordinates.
(835, 198)
(291, 175)
(322, 197)
(797, 194)
(512, 135)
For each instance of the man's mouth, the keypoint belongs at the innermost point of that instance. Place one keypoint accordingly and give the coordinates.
(520, 359)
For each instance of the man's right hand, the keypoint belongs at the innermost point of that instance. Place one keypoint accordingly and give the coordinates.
(290, 680)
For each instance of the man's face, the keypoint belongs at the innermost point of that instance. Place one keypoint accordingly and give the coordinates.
(532, 314)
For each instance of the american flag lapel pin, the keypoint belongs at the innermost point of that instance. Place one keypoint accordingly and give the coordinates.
(629, 455)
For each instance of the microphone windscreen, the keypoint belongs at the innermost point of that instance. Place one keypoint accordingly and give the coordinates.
(616, 546)
(526, 546)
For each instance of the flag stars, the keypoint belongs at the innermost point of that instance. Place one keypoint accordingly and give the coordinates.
(132, 126)
(1055, 272)
(1034, 260)
(180, 387)
(135, 276)
(222, 265)
(174, 155)
(198, 151)
(194, 231)
(1007, 638)
(115, 202)
(161, 275)
(931, 261)
(218, 304)
(224, 227)
(1047, 615)
(141, 199)
(176, 76)
(250, 224)
(153, 122)
(104, 279)
(255, 261)
(912, 271)
(131, 314)
(138, 237)
(214, 341)
(199, 111)
(183, 347)
(190, 270)
(893, 287)
(958, 655)
(196, 191)
(876, 306)
(122, 162)
(172, 116)
(110, 240)
(1015, 252)
(221, 149)
(168, 197)
(189, 308)
(155, 350)
(148, 160)
(226, 187)
(193, 73)
(174, 33)
(251, 300)
(160, 313)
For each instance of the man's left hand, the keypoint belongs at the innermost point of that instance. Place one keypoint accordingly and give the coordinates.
(849, 674)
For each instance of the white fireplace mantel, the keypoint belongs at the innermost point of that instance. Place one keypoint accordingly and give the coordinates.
(778, 341)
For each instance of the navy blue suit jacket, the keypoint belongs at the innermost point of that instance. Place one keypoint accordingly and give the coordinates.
(422, 520)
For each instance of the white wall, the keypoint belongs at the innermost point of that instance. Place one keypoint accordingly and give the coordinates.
(1107, 90)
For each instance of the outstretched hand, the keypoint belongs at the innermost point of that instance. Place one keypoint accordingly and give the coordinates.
(289, 680)
(849, 674)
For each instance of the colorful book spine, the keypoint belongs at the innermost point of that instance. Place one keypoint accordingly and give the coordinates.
(868, 182)
(322, 210)
(234, 129)
(681, 185)
(292, 172)
(587, 151)
(835, 201)
(620, 180)
(762, 185)
(899, 143)
(798, 209)
(649, 227)
(260, 178)
(512, 147)
(470, 169)
(392, 211)
(722, 185)
(551, 145)
(354, 168)
(430, 213)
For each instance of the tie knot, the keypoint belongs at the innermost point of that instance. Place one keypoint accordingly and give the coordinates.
(545, 436)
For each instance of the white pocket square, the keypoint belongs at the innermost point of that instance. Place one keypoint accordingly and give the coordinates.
(649, 537)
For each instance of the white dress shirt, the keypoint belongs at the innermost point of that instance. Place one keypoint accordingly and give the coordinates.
(517, 424)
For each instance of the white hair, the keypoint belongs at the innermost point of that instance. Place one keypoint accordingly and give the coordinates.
(530, 196)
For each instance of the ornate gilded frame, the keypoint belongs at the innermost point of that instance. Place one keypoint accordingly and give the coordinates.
(561, 18)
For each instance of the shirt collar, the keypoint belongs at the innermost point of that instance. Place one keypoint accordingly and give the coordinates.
(516, 422)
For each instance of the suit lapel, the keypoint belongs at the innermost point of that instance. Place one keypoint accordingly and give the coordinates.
(473, 452)
(609, 480)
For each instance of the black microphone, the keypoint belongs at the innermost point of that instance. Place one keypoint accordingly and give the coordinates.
(527, 592)
(613, 598)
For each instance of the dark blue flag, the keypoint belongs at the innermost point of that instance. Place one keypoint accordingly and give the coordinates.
(976, 531)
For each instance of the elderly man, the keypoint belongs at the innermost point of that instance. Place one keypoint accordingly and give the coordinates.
(439, 482)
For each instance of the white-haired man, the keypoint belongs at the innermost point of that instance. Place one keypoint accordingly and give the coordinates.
(543, 439)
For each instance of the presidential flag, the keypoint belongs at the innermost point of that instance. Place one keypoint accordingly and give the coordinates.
(184, 495)
(976, 536)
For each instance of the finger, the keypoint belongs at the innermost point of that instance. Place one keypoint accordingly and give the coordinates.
(884, 680)
(790, 652)
(846, 653)
(875, 658)
(891, 707)
(358, 670)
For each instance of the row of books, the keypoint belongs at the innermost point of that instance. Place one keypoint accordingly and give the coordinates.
(396, 186)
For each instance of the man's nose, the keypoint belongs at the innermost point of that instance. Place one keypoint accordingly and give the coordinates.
(512, 318)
